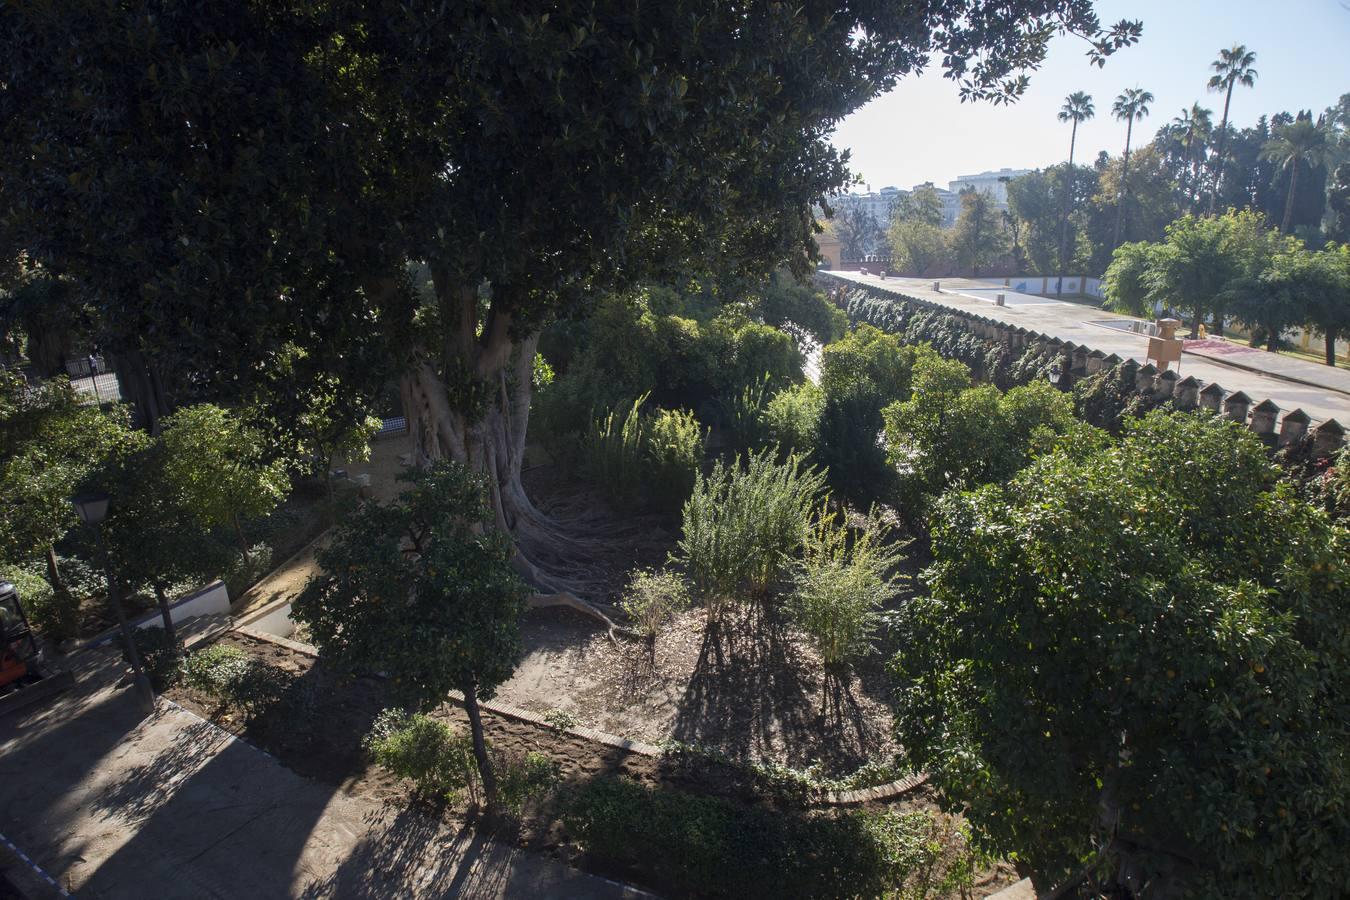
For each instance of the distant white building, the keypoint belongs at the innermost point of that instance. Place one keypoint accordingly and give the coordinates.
(877, 204)
(994, 182)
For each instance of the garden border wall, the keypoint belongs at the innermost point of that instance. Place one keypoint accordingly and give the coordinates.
(1078, 361)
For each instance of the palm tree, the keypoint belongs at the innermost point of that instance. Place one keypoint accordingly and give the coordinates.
(1130, 105)
(1233, 67)
(1294, 146)
(1193, 129)
(1077, 108)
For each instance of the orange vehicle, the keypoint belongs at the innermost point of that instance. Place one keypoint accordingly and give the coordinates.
(24, 674)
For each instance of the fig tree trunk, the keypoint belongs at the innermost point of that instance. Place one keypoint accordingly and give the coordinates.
(472, 405)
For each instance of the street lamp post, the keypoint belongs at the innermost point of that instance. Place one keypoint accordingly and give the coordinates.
(92, 508)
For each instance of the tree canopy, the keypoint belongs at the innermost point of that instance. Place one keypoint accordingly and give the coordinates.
(1130, 666)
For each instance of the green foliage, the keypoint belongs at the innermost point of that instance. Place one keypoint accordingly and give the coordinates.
(1135, 652)
(439, 760)
(784, 300)
(674, 455)
(615, 453)
(633, 456)
(859, 376)
(426, 751)
(744, 415)
(247, 569)
(159, 655)
(791, 419)
(949, 434)
(844, 578)
(534, 776)
(443, 618)
(978, 238)
(918, 248)
(652, 599)
(54, 614)
(156, 537)
(742, 521)
(49, 445)
(216, 465)
(232, 677)
(711, 847)
(867, 361)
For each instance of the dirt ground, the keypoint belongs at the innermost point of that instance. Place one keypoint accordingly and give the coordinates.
(752, 689)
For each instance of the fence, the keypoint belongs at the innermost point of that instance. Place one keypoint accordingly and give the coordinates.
(93, 380)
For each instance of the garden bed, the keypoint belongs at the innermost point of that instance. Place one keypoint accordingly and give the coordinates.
(319, 730)
(753, 690)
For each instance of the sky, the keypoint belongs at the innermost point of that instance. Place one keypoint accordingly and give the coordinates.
(920, 131)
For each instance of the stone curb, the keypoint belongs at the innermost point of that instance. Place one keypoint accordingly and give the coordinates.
(641, 748)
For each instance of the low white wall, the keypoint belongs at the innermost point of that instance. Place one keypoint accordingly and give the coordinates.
(210, 600)
(277, 622)
(213, 599)
(1048, 285)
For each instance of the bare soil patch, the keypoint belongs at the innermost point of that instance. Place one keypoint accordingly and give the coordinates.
(751, 689)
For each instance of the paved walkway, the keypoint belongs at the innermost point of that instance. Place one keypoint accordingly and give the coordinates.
(114, 806)
(1323, 392)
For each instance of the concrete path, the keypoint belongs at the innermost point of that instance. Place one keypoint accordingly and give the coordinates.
(1323, 392)
(113, 806)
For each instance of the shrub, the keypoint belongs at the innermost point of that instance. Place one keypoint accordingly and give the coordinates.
(55, 615)
(764, 352)
(711, 847)
(842, 580)
(743, 413)
(159, 656)
(236, 679)
(742, 521)
(614, 456)
(247, 568)
(674, 453)
(531, 778)
(652, 598)
(791, 420)
(428, 752)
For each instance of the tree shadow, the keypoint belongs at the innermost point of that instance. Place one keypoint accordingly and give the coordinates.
(747, 690)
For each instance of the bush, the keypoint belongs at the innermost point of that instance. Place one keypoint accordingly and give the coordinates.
(743, 413)
(843, 579)
(711, 847)
(247, 569)
(535, 776)
(160, 657)
(56, 616)
(428, 752)
(652, 598)
(236, 679)
(439, 760)
(674, 455)
(614, 453)
(791, 420)
(743, 521)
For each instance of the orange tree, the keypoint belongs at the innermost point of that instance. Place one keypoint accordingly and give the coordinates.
(418, 589)
(1132, 668)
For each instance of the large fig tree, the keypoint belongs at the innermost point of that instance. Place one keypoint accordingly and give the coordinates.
(234, 182)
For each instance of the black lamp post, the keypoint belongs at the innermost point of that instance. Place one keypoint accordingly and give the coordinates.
(92, 508)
